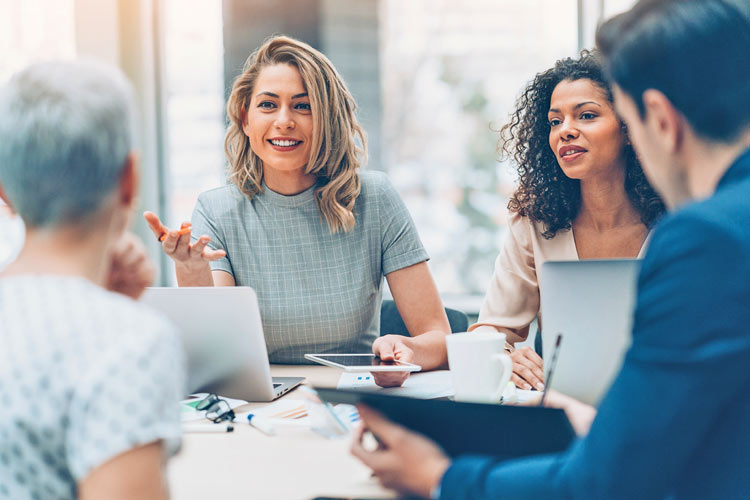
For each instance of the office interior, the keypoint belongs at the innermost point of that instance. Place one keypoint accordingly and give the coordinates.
(434, 81)
(428, 100)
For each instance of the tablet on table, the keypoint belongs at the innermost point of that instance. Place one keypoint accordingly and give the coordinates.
(362, 363)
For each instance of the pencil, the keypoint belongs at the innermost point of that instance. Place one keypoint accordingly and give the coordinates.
(185, 228)
(548, 381)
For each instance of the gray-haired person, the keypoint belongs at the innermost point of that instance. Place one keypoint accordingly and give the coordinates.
(89, 379)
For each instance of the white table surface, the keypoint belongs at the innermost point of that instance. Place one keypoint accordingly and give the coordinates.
(295, 464)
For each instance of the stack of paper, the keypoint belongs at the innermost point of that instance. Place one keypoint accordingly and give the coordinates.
(427, 385)
(284, 412)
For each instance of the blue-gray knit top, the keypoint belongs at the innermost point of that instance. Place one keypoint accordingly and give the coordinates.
(318, 292)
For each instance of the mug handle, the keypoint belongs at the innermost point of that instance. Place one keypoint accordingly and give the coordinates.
(507, 363)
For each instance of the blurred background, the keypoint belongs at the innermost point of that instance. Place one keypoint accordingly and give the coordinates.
(434, 81)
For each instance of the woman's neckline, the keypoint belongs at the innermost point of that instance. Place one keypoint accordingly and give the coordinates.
(292, 200)
(640, 254)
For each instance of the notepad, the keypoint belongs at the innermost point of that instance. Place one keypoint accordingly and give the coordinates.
(282, 412)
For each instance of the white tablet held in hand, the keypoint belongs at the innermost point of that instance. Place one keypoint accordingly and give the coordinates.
(362, 363)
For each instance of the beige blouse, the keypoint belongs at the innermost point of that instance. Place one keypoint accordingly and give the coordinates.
(512, 300)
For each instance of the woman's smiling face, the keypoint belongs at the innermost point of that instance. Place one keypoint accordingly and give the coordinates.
(278, 120)
(585, 133)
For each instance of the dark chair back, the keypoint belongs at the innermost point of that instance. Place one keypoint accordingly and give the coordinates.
(538, 343)
(391, 322)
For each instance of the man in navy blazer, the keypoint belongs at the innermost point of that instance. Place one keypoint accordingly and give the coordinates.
(676, 420)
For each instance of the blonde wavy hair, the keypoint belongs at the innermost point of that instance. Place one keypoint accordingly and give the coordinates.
(334, 153)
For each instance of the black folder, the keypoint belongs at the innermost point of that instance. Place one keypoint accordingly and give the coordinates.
(469, 428)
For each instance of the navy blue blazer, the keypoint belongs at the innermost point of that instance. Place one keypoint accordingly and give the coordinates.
(676, 420)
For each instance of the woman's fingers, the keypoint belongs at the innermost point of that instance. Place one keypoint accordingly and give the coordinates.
(527, 366)
(199, 249)
(169, 238)
(528, 375)
(132, 257)
(130, 269)
(155, 224)
(391, 348)
(212, 255)
(384, 348)
(169, 243)
(182, 249)
(176, 242)
(535, 362)
(389, 379)
(520, 383)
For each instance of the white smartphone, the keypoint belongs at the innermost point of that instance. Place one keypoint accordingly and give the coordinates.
(362, 363)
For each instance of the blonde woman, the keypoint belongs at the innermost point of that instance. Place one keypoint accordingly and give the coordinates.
(303, 226)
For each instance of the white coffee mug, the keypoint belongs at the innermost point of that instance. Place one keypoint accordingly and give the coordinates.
(479, 366)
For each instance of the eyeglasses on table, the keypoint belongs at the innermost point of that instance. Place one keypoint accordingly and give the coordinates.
(217, 409)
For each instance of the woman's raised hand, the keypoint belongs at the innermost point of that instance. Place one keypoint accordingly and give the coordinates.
(176, 244)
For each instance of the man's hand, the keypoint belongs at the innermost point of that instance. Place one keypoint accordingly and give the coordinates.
(392, 348)
(580, 414)
(528, 369)
(130, 270)
(404, 460)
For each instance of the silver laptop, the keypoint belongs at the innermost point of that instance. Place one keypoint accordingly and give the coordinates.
(223, 337)
(591, 303)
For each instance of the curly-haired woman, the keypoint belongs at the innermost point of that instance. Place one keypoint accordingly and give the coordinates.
(581, 195)
(303, 226)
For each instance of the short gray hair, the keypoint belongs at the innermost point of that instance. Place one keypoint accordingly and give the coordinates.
(65, 133)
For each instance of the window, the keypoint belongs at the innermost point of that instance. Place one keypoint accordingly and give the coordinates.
(35, 30)
(614, 7)
(30, 31)
(450, 75)
(195, 102)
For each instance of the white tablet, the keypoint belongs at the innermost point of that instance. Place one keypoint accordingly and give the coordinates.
(362, 363)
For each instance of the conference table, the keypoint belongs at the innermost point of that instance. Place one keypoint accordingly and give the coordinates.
(295, 464)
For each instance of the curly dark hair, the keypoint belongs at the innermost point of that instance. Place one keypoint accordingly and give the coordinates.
(545, 194)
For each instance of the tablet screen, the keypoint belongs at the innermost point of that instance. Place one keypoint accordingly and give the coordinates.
(356, 360)
(361, 361)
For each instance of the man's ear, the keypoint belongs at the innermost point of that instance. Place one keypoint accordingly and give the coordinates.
(129, 181)
(663, 120)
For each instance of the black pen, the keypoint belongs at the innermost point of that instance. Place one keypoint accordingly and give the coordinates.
(200, 427)
(553, 362)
